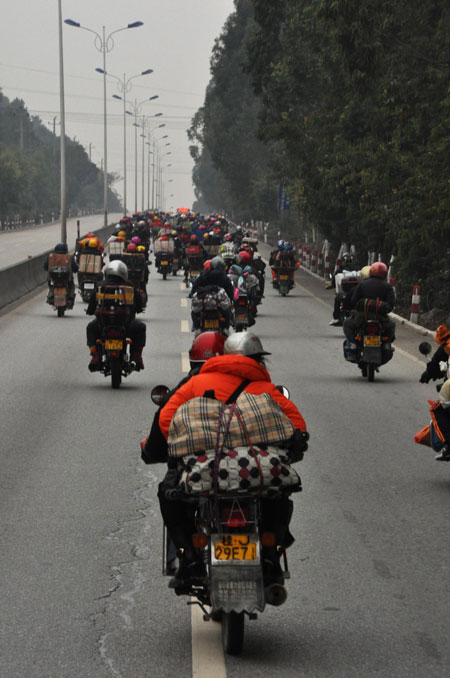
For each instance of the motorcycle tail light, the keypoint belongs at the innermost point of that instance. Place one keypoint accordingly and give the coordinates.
(235, 516)
(199, 540)
(371, 329)
(268, 539)
(112, 332)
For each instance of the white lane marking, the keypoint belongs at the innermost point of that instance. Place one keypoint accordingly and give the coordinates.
(184, 326)
(207, 653)
(182, 286)
(183, 302)
(408, 355)
(185, 364)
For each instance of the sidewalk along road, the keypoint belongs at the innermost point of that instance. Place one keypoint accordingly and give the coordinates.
(15, 246)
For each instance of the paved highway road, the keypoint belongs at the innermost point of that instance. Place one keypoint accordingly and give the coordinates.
(15, 246)
(81, 589)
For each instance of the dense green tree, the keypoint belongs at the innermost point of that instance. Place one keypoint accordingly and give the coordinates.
(29, 169)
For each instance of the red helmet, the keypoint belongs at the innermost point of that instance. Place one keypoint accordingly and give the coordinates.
(194, 239)
(207, 265)
(228, 236)
(378, 270)
(205, 346)
(132, 247)
(245, 257)
(89, 235)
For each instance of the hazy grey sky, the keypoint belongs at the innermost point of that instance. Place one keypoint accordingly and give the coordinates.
(176, 41)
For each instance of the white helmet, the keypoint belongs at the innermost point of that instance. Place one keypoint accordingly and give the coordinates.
(117, 268)
(244, 343)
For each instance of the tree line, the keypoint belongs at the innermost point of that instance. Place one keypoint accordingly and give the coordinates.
(30, 169)
(345, 104)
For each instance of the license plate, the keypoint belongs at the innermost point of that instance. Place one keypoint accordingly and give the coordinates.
(284, 277)
(242, 316)
(235, 547)
(89, 286)
(113, 344)
(195, 273)
(372, 341)
(211, 324)
(164, 263)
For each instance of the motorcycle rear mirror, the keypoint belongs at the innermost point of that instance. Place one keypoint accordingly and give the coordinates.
(159, 393)
(425, 348)
(283, 390)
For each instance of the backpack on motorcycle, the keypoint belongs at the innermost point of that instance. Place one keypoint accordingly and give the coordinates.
(114, 304)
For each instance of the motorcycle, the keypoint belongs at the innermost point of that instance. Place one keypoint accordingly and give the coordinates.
(230, 539)
(88, 283)
(241, 310)
(164, 264)
(210, 306)
(371, 350)
(283, 280)
(59, 295)
(437, 433)
(113, 345)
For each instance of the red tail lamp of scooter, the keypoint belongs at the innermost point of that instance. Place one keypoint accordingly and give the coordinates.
(235, 516)
(199, 540)
(371, 329)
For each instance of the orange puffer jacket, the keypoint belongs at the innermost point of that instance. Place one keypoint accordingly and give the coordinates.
(223, 374)
(442, 337)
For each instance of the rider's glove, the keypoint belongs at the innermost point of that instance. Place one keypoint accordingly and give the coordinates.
(425, 377)
(298, 444)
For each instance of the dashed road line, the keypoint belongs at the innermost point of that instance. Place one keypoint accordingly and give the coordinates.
(183, 302)
(185, 326)
(207, 652)
(185, 364)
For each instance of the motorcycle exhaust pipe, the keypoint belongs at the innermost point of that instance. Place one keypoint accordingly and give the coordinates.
(275, 594)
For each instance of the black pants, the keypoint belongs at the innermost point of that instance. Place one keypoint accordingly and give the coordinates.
(136, 331)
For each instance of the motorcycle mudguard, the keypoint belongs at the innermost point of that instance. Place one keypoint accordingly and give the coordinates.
(371, 354)
(237, 588)
(60, 297)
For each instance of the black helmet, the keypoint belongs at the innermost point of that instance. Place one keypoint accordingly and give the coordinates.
(347, 258)
(61, 248)
(217, 264)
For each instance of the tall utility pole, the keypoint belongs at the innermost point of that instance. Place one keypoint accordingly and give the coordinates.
(63, 131)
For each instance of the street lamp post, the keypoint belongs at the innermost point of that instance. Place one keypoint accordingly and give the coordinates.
(63, 131)
(124, 87)
(104, 44)
(136, 109)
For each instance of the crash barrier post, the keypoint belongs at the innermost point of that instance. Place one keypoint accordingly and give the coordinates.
(300, 253)
(22, 278)
(415, 304)
(320, 263)
(314, 261)
(392, 282)
(327, 265)
(306, 257)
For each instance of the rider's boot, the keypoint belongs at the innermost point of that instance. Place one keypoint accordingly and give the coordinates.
(136, 357)
(95, 363)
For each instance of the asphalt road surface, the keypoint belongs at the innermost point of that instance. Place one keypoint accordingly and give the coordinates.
(82, 592)
(15, 246)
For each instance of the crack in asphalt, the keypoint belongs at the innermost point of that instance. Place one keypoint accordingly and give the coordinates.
(118, 603)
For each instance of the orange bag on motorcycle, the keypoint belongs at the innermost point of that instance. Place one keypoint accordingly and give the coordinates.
(422, 437)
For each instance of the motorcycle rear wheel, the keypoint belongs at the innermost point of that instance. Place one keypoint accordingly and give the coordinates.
(116, 374)
(370, 372)
(233, 624)
(164, 275)
(61, 310)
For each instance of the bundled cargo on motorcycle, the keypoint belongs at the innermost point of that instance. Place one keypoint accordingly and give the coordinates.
(231, 438)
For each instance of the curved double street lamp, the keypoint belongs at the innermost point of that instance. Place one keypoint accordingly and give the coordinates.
(124, 86)
(104, 44)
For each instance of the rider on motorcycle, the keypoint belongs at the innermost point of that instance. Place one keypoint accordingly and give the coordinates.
(213, 276)
(116, 273)
(442, 354)
(375, 287)
(346, 264)
(61, 248)
(241, 366)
